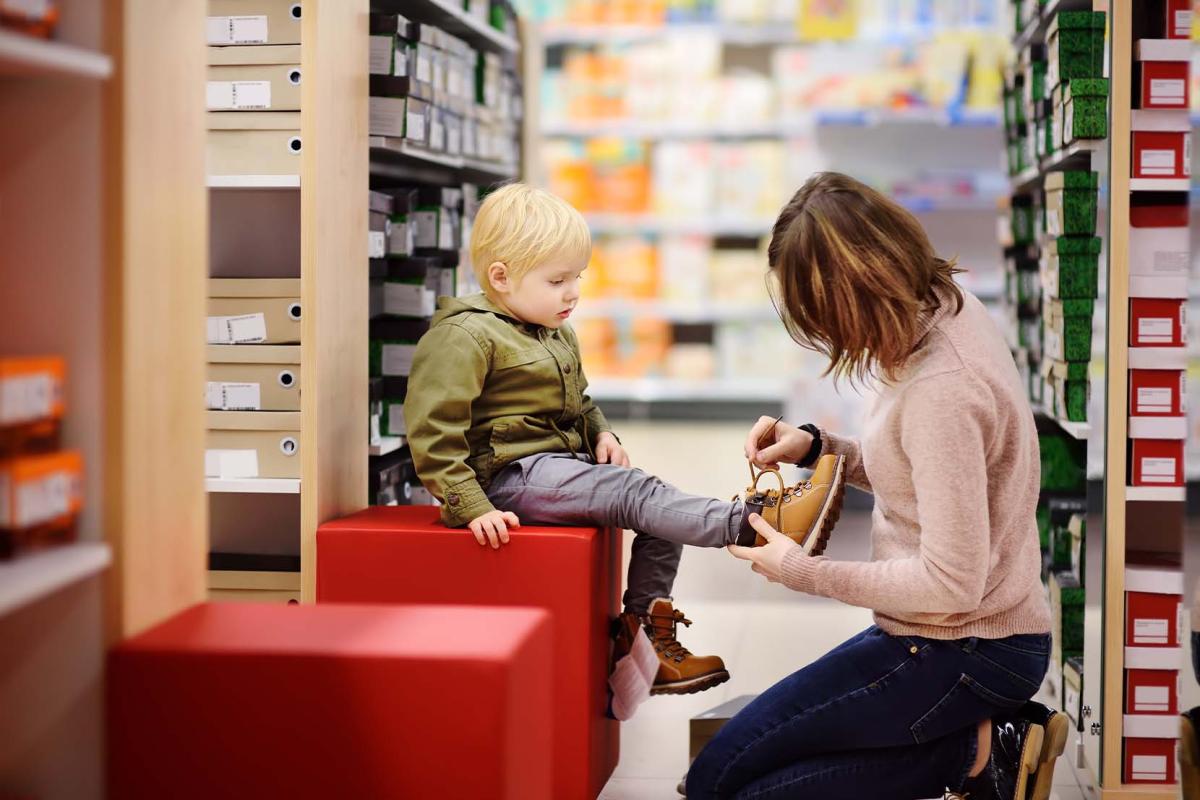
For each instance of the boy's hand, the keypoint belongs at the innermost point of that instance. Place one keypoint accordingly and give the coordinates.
(609, 451)
(493, 527)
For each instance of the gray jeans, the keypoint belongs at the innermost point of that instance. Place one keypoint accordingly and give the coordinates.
(561, 489)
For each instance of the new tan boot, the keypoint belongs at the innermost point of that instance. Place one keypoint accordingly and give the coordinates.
(807, 512)
(679, 671)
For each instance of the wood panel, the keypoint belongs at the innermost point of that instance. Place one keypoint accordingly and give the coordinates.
(1117, 376)
(156, 515)
(333, 219)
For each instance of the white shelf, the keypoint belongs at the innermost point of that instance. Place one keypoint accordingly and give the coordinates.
(253, 485)
(1076, 430)
(254, 181)
(387, 445)
(451, 16)
(391, 152)
(25, 55)
(651, 390)
(1160, 185)
(28, 578)
(1156, 494)
(1031, 177)
(1158, 358)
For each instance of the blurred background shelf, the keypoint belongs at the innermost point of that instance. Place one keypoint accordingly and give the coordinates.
(22, 55)
(31, 577)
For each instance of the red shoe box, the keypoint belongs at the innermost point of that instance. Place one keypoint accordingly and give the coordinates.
(1161, 74)
(1162, 144)
(1178, 24)
(1157, 393)
(1156, 462)
(1159, 250)
(1149, 761)
(1153, 606)
(1157, 322)
(1152, 691)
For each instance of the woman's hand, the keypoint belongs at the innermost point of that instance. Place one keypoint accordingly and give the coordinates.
(609, 451)
(771, 442)
(768, 559)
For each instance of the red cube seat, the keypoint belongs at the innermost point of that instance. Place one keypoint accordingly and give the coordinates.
(403, 554)
(387, 702)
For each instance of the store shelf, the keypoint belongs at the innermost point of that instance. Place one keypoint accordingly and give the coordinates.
(1160, 185)
(1076, 430)
(452, 18)
(254, 181)
(1035, 31)
(253, 485)
(25, 55)
(386, 446)
(29, 578)
(1076, 155)
(1156, 494)
(648, 223)
(388, 152)
(674, 312)
(747, 35)
(651, 390)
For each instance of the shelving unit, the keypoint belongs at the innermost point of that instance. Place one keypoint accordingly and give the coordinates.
(254, 181)
(104, 252)
(253, 485)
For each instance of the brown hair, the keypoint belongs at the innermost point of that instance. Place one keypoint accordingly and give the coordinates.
(853, 272)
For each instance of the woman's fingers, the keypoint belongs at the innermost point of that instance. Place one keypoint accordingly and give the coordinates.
(763, 528)
(744, 553)
(758, 434)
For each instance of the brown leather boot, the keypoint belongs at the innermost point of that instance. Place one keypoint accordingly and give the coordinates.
(807, 512)
(679, 672)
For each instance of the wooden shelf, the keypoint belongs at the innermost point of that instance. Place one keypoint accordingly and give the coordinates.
(29, 578)
(253, 485)
(254, 181)
(24, 55)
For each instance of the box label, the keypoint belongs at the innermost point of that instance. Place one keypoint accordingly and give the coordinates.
(424, 65)
(27, 398)
(1156, 330)
(1153, 401)
(376, 244)
(379, 59)
(43, 499)
(237, 30)
(1157, 162)
(1158, 470)
(414, 126)
(231, 464)
(1149, 768)
(1151, 700)
(222, 396)
(1183, 24)
(239, 95)
(396, 424)
(408, 300)
(245, 329)
(397, 359)
(1167, 91)
(401, 241)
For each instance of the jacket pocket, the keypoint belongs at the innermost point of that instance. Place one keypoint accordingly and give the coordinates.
(967, 703)
(519, 358)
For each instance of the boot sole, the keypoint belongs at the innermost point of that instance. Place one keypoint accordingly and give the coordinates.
(693, 686)
(818, 536)
(1189, 767)
(1054, 742)
(1029, 758)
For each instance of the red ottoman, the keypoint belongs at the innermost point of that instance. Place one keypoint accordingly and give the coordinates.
(384, 702)
(403, 554)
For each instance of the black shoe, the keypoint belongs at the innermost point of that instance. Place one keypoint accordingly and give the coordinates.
(1056, 728)
(1016, 745)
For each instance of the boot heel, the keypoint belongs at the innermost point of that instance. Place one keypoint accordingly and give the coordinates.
(1054, 742)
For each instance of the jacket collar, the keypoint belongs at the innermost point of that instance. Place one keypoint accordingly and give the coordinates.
(481, 302)
(930, 318)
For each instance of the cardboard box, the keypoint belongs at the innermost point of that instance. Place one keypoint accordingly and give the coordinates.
(1157, 322)
(1084, 110)
(1159, 244)
(1066, 607)
(40, 492)
(254, 78)
(254, 311)
(265, 378)
(1152, 691)
(1149, 760)
(1178, 21)
(1156, 462)
(1072, 693)
(1152, 620)
(1077, 526)
(401, 118)
(254, 143)
(1070, 267)
(1162, 144)
(1160, 76)
(31, 390)
(1067, 387)
(252, 444)
(239, 22)
(1157, 393)
(1075, 46)
(393, 345)
(1071, 199)
(1067, 329)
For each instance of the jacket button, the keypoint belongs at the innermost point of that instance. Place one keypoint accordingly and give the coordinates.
(452, 499)
(913, 649)
(567, 369)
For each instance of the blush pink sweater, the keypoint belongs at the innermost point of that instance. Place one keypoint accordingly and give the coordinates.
(950, 452)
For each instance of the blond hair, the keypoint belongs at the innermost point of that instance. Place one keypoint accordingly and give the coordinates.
(855, 273)
(523, 227)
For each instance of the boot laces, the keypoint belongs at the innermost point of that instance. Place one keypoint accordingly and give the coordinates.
(665, 636)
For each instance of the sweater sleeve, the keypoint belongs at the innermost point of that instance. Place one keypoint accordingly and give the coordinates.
(856, 473)
(946, 427)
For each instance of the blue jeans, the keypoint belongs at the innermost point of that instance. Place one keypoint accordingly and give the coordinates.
(880, 717)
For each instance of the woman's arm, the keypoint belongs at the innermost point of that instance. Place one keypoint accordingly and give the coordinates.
(856, 474)
(945, 434)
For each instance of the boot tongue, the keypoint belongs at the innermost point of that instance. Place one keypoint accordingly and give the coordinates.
(660, 622)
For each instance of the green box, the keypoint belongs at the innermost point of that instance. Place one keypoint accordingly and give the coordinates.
(1043, 523)
(1072, 265)
(1064, 463)
(1075, 41)
(1084, 109)
(1071, 203)
(1021, 218)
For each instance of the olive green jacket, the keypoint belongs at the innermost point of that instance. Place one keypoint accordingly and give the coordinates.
(487, 389)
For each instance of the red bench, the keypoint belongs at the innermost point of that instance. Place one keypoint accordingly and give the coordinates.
(384, 702)
(405, 555)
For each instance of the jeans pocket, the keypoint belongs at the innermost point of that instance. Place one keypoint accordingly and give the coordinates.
(967, 703)
(1024, 668)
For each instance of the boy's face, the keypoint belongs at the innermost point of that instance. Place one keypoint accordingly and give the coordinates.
(546, 295)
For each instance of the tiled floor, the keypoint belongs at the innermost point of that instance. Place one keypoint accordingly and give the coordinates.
(763, 631)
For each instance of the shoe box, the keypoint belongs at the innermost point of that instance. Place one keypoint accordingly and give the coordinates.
(254, 311)
(252, 444)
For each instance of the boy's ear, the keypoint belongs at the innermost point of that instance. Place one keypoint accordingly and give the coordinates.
(497, 274)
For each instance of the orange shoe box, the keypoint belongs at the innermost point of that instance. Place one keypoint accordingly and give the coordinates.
(40, 491)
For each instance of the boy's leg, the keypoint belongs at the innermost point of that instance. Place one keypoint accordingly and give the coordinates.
(653, 564)
(557, 489)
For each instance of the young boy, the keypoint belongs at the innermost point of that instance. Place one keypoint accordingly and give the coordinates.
(503, 433)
